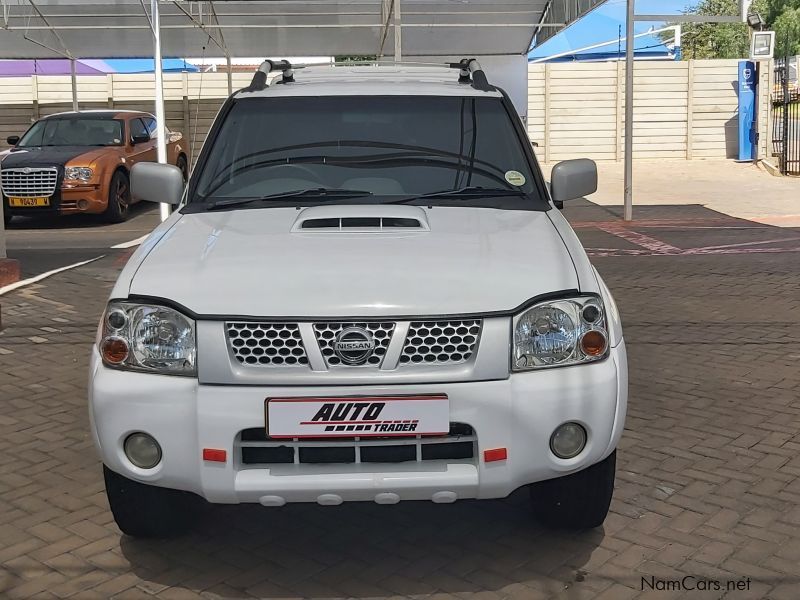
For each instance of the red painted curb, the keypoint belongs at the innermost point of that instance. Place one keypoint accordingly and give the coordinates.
(9, 271)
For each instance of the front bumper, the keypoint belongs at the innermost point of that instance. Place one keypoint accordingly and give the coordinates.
(91, 199)
(518, 413)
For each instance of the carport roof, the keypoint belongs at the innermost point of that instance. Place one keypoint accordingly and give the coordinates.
(121, 28)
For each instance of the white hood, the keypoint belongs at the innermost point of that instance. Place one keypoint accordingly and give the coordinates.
(261, 262)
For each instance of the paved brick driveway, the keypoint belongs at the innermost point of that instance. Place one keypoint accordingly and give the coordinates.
(708, 468)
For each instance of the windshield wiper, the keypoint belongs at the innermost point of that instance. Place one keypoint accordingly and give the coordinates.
(333, 193)
(465, 192)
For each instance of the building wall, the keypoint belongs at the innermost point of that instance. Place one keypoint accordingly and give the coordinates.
(686, 110)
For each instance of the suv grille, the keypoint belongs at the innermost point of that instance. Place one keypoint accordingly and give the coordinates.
(276, 344)
(326, 333)
(29, 182)
(440, 342)
(255, 448)
(269, 344)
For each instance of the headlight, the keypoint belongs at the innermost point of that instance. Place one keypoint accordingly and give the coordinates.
(559, 333)
(144, 337)
(78, 173)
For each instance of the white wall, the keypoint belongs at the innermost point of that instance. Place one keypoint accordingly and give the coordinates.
(683, 110)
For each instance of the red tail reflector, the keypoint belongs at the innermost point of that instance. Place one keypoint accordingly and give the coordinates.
(495, 455)
(213, 455)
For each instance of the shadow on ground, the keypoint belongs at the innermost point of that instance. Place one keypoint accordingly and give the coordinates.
(360, 550)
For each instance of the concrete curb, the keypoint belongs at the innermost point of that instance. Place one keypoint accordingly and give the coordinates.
(770, 168)
(19, 284)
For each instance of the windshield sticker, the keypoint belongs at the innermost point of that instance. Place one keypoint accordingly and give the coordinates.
(515, 178)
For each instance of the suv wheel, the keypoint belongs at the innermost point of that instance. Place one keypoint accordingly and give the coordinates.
(147, 511)
(184, 167)
(119, 198)
(577, 501)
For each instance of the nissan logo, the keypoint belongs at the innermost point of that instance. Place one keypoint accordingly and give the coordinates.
(354, 345)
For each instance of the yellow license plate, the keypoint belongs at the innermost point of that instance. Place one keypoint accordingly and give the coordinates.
(25, 202)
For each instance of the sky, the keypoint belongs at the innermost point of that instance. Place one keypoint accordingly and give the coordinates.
(667, 7)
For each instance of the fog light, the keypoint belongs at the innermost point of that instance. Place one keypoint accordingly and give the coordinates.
(142, 450)
(83, 204)
(568, 440)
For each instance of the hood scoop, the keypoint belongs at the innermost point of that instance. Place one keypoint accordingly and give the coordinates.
(361, 219)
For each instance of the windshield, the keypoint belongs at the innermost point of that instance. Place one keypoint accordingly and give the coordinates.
(82, 131)
(375, 149)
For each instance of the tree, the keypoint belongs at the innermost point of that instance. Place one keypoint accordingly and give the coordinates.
(732, 40)
(787, 32)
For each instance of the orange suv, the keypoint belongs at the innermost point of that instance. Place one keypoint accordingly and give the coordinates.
(79, 162)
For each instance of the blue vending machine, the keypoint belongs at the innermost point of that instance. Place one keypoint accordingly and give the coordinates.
(748, 132)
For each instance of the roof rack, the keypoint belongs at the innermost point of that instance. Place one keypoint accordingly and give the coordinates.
(470, 71)
(259, 81)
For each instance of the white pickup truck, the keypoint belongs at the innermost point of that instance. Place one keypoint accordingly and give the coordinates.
(366, 293)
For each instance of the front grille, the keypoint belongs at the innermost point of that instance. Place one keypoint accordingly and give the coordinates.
(326, 333)
(268, 344)
(256, 448)
(440, 342)
(29, 182)
(276, 344)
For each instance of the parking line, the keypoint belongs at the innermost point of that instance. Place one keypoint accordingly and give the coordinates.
(131, 243)
(639, 239)
(14, 286)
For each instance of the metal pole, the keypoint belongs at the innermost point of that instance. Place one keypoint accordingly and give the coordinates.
(161, 141)
(74, 78)
(629, 56)
(786, 107)
(398, 33)
(230, 74)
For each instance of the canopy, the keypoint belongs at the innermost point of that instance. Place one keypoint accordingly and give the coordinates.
(604, 25)
(121, 28)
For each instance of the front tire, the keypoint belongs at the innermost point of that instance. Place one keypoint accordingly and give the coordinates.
(119, 198)
(183, 165)
(6, 219)
(577, 501)
(147, 511)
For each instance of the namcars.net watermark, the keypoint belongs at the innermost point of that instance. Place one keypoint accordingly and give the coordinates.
(690, 583)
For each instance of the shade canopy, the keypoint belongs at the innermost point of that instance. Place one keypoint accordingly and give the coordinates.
(121, 28)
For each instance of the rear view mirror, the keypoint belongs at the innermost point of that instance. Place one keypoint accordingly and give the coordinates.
(155, 182)
(12, 140)
(573, 179)
(140, 138)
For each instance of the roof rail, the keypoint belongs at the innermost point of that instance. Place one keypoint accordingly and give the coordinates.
(259, 81)
(470, 71)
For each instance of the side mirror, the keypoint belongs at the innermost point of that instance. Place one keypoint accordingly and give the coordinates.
(155, 182)
(12, 140)
(140, 139)
(573, 179)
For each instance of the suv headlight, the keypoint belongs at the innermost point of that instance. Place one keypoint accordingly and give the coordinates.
(559, 333)
(145, 337)
(78, 173)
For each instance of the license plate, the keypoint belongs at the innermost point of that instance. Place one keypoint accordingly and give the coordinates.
(24, 202)
(358, 416)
